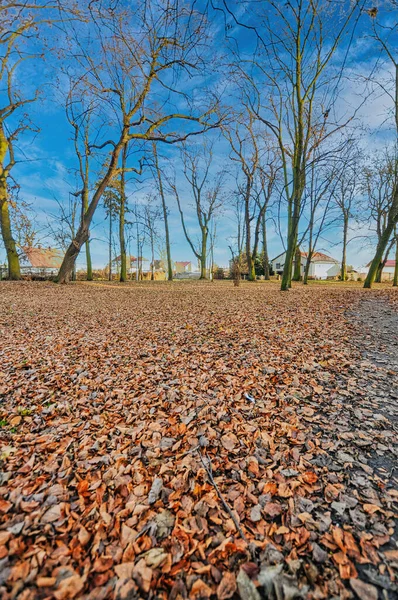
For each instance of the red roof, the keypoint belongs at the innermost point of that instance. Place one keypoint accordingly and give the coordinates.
(183, 264)
(389, 263)
(45, 258)
(132, 258)
(320, 257)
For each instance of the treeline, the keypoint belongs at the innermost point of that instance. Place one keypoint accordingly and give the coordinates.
(265, 82)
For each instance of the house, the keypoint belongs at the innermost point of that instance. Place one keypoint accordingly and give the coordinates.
(182, 267)
(158, 265)
(41, 262)
(319, 266)
(132, 262)
(335, 273)
(388, 270)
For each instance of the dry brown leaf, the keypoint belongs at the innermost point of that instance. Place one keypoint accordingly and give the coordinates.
(229, 441)
(227, 586)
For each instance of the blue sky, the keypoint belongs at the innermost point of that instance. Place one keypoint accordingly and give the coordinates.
(46, 174)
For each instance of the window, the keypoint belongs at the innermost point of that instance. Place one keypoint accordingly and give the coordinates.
(278, 265)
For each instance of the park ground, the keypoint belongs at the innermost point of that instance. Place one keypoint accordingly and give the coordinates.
(198, 440)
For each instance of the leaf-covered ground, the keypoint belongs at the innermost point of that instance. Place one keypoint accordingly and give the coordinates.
(197, 441)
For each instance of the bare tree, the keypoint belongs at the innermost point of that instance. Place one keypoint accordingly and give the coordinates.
(292, 86)
(22, 38)
(63, 224)
(245, 151)
(258, 162)
(320, 184)
(205, 190)
(385, 35)
(16, 27)
(380, 183)
(80, 112)
(345, 194)
(23, 218)
(158, 175)
(151, 215)
(130, 66)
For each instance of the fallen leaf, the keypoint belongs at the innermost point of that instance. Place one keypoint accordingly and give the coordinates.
(229, 441)
(227, 586)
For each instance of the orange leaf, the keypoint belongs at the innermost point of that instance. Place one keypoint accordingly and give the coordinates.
(370, 509)
(310, 477)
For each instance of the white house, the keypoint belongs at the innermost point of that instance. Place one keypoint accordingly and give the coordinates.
(319, 266)
(388, 270)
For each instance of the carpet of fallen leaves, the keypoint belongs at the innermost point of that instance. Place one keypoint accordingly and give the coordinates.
(192, 441)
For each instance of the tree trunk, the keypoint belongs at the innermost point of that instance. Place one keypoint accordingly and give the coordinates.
(251, 269)
(378, 258)
(165, 214)
(72, 253)
(88, 252)
(14, 270)
(379, 272)
(306, 272)
(81, 236)
(123, 260)
(265, 250)
(395, 281)
(153, 257)
(288, 266)
(297, 265)
(203, 255)
(291, 247)
(343, 270)
(251, 273)
(88, 262)
(110, 244)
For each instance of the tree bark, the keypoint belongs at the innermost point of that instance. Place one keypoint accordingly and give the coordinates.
(307, 268)
(265, 250)
(379, 272)
(286, 283)
(343, 270)
(378, 258)
(203, 256)
(297, 265)
(251, 273)
(88, 251)
(123, 260)
(153, 258)
(14, 270)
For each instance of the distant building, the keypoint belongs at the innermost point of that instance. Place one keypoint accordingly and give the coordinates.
(158, 266)
(182, 267)
(335, 273)
(388, 270)
(319, 266)
(41, 262)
